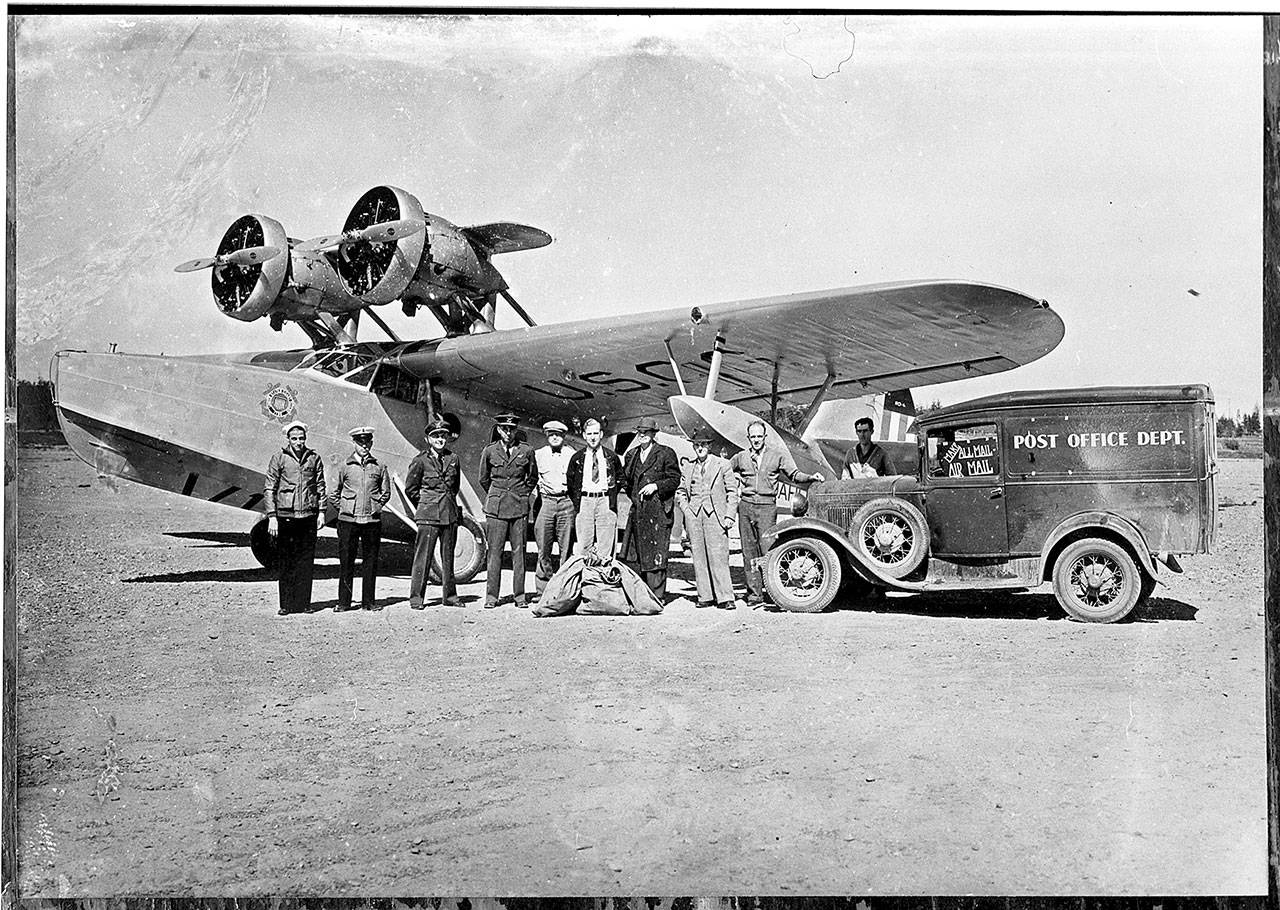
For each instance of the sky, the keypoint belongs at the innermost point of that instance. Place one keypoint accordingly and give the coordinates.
(1111, 166)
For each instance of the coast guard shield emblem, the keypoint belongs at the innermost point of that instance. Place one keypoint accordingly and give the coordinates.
(279, 402)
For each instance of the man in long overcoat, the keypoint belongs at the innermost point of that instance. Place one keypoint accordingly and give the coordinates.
(651, 475)
(432, 486)
(508, 476)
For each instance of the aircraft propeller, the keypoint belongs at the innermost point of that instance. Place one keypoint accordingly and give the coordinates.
(383, 232)
(250, 255)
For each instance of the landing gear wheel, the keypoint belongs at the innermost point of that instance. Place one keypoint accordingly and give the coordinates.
(891, 536)
(1096, 581)
(802, 575)
(469, 553)
(263, 545)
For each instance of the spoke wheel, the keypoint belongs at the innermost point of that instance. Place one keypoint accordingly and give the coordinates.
(802, 575)
(891, 536)
(1096, 581)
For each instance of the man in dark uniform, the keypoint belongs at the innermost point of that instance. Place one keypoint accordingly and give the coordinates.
(651, 476)
(432, 486)
(362, 490)
(866, 459)
(294, 494)
(508, 475)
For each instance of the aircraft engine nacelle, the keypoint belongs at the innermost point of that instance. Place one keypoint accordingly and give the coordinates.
(247, 290)
(431, 265)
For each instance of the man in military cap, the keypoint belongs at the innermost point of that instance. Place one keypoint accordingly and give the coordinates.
(362, 490)
(508, 474)
(554, 524)
(294, 495)
(651, 475)
(708, 495)
(432, 486)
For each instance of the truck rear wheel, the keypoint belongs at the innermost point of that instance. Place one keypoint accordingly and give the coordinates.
(890, 535)
(1096, 580)
(802, 575)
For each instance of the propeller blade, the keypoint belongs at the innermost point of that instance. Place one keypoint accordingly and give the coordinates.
(194, 265)
(316, 244)
(387, 231)
(250, 255)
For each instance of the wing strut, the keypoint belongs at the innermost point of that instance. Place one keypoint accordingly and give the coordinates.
(518, 308)
(717, 353)
(675, 368)
(773, 393)
(813, 406)
(382, 325)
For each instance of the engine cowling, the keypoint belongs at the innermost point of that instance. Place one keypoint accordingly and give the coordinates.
(377, 273)
(247, 292)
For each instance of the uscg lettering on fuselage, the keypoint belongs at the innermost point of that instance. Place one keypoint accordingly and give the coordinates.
(1098, 440)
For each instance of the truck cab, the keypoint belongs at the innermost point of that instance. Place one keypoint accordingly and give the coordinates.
(1095, 490)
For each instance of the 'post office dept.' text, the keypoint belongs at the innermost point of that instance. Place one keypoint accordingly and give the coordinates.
(1115, 438)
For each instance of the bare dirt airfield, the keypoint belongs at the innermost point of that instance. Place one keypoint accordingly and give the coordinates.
(934, 745)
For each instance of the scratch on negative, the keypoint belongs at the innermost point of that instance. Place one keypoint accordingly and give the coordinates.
(844, 22)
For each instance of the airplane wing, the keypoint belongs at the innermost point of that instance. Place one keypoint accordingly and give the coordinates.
(876, 338)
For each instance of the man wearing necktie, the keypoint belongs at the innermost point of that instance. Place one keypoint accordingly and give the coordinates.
(708, 495)
(508, 475)
(554, 524)
(592, 479)
(759, 470)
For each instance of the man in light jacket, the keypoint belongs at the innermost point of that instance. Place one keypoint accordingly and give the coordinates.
(362, 490)
(294, 495)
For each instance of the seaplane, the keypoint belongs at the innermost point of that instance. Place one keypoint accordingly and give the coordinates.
(205, 426)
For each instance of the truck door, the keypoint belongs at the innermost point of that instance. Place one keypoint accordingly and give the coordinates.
(964, 491)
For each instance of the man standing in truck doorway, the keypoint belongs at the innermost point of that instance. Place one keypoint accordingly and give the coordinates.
(866, 459)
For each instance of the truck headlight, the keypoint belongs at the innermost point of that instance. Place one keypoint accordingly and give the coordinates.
(799, 502)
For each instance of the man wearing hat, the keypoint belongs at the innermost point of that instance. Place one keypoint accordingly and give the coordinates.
(294, 496)
(432, 486)
(651, 475)
(508, 475)
(594, 478)
(363, 489)
(554, 524)
(708, 495)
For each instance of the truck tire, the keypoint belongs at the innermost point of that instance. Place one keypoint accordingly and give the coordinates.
(468, 553)
(262, 545)
(1096, 580)
(890, 535)
(802, 574)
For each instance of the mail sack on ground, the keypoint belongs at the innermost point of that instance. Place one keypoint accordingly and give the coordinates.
(602, 588)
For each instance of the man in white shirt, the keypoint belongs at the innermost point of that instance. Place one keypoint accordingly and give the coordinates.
(593, 479)
(554, 524)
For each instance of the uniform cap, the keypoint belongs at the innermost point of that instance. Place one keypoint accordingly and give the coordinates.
(295, 425)
(437, 428)
(361, 431)
(554, 425)
(507, 420)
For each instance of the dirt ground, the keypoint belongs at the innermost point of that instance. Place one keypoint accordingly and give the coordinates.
(178, 738)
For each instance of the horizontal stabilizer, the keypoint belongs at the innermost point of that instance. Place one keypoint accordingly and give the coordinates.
(506, 237)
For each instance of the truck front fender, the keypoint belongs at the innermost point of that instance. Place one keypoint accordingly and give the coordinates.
(836, 536)
(1103, 524)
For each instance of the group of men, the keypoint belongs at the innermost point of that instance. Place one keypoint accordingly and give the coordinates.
(577, 491)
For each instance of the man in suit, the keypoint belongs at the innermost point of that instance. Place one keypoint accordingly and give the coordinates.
(432, 486)
(594, 478)
(650, 475)
(362, 491)
(708, 495)
(508, 474)
(554, 524)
